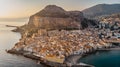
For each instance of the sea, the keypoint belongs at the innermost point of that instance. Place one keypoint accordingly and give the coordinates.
(7, 41)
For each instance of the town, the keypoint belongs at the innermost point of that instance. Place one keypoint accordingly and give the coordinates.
(60, 44)
(55, 42)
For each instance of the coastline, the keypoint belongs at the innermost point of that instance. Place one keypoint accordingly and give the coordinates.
(49, 63)
(58, 38)
(108, 49)
(10, 26)
(52, 64)
(93, 44)
(31, 56)
(65, 64)
(46, 62)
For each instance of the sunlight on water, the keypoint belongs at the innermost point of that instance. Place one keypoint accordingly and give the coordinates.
(13, 23)
(7, 41)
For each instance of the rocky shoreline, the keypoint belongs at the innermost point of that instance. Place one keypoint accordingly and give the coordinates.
(107, 49)
(10, 26)
(49, 63)
(31, 55)
(34, 56)
(72, 58)
(72, 62)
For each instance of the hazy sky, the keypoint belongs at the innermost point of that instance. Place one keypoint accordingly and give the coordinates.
(25, 8)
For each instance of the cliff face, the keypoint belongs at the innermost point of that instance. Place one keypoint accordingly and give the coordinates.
(54, 17)
(53, 23)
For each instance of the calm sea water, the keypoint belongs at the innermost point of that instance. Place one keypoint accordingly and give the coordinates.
(103, 59)
(7, 41)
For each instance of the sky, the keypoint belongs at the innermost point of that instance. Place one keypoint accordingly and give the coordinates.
(25, 8)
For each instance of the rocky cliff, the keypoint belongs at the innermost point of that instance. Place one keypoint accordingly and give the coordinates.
(54, 17)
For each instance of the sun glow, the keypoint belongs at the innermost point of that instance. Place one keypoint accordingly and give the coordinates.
(25, 8)
(15, 9)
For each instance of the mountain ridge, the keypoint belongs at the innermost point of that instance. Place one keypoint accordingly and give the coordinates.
(101, 9)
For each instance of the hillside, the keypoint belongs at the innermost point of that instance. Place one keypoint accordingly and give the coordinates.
(113, 19)
(53, 17)
(101, 9)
